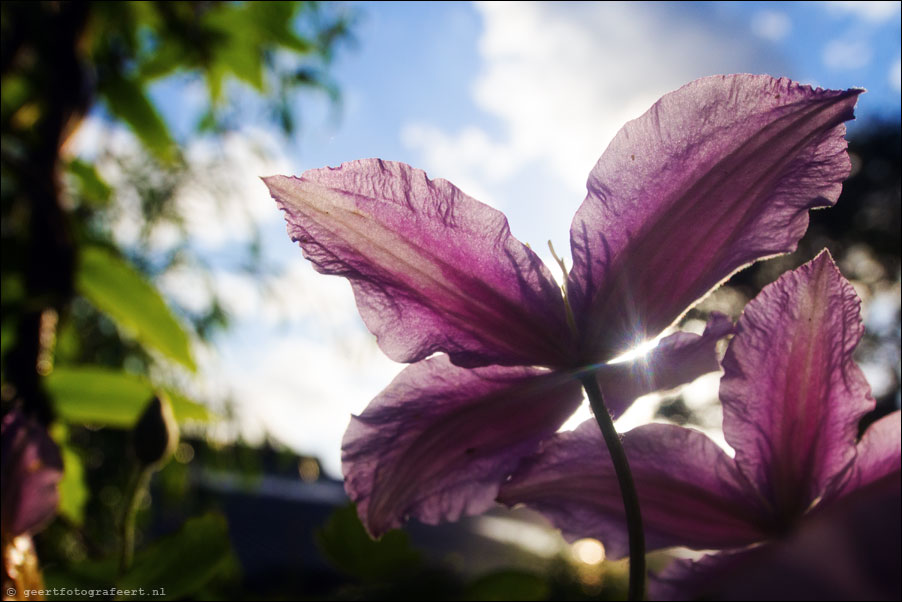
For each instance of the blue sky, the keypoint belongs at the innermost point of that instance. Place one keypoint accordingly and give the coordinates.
(513, 103)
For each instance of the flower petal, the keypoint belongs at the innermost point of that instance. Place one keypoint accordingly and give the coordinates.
(678, 359)
(432, 269)
(879, 454)
(437, 443)
(700, 579)
(845, 551)
(716, 175)
(690, 492)
(31, 469)
(792, 394)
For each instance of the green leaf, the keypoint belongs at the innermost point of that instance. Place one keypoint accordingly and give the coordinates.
(180, 564)
(120, 291)
(72, 489)
(171, 568)
(185, 409)
(127, 100)
(508, 585)
(106, 397)
(73, 492)
(243, 58)
(344, 542)
(274, 24)
(239, 50)
(91, 187)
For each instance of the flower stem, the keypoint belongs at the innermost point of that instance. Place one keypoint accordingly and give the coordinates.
(139, 481)
(627, 487)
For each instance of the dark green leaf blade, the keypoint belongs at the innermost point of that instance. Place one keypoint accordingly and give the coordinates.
(182, 563)
(91, 187)
(106, 397)
(118, 290)
(345, 543)
(127, 99)
(508, 585)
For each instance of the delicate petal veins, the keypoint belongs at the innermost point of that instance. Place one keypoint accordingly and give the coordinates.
(31, 469)
(792, 394)
(678, 359)
(879, 454)
(716, 175)
(432, 269)
(689, 490)
(437, 443)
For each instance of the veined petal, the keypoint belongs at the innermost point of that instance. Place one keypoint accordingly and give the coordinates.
(792, 394)
(690, 492)
(432, 269)
(714, 176)
(879, 454)
(437, 443)
(678, 359)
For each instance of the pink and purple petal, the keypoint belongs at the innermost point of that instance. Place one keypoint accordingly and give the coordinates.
(437, 443)
(31, 470)
(702, 578)
(678, 359)
(848, 550)
(432, 269)
(716, 175)
(879, 455)
(792, 394)
(690, 492)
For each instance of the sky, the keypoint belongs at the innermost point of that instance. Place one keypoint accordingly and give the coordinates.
(511, 102)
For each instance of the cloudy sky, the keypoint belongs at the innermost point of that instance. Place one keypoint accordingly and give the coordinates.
(513, 103)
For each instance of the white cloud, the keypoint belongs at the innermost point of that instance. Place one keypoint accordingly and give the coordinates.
(459, 156)
(771, 25)
(303, 392)
(847, 54)
(224, 199)
(895, 75)
(220, 200)
(561, 79)
(874, 12)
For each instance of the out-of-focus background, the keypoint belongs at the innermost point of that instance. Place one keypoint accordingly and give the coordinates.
(142, 255)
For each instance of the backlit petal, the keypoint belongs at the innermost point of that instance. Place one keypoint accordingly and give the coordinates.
(432, 269)
(849, 550)
(678, 359)
(792, 394)
(715, 175)
(437, 443)
(879, 454)
(690, 492)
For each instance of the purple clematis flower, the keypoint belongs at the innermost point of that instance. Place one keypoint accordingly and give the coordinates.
(793, 398)
(31, 470)
(714, 176)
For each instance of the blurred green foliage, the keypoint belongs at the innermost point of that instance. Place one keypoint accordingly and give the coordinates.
(87, 338)
(346, 544)
(121, 292)
(177, 566)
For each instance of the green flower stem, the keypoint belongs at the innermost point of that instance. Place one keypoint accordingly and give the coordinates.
(627, 487)
(139, 481)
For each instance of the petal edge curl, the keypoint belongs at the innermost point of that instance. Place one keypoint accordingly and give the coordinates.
(432, 269)
(437, 443)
